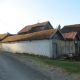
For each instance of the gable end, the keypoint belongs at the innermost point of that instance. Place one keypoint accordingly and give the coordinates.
(57, 35)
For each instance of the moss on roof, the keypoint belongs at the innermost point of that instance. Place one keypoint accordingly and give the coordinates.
(45, 34)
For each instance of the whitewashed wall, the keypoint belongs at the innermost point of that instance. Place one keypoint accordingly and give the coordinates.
(37, 47)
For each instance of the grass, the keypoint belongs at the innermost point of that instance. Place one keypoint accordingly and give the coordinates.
(70, 66)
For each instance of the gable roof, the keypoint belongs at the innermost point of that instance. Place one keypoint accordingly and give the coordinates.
(45, 34)
(2, 36)
(28, 27)
(70, 35)
(71, 28)
(73, 25)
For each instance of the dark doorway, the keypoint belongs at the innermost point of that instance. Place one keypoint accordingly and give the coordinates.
(54, 50)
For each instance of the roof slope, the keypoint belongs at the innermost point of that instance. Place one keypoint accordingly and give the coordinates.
(70, 35)
(31, 36)
(2, 36)
(71, 28)
(28, 27)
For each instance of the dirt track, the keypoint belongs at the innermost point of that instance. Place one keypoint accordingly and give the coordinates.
(12, 69)
(41, 70)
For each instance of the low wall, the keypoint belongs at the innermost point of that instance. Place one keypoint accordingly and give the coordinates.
(37, 47)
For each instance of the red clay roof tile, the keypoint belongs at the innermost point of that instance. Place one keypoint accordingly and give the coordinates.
(2, 36)
(69, 35)
(71, 28)
(31, 36)
(28, 27)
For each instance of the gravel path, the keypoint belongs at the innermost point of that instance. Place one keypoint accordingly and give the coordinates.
(54, 73)
(12, 69)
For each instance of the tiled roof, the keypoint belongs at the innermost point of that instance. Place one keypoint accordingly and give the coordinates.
(69, 35)
(28, 27)
(2, 36)
(31, 36)
(71, 28)
(74, 25)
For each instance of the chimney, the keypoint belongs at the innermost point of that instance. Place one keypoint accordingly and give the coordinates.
(59, 27)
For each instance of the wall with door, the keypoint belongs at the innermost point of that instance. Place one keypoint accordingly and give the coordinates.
(64, 47)
(50, 48)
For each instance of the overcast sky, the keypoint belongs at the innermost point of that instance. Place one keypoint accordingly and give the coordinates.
(15, 14)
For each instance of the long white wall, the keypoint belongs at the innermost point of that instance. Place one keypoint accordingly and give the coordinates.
(37, 47)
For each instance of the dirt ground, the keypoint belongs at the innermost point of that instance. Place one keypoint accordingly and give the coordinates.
(54, 73)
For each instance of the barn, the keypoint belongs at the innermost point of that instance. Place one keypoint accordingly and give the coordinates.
(42, 39)
(72, 35)
(45, 43)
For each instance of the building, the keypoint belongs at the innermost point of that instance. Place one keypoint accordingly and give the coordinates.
(71, 43)
(45, 43)
(71, 28)
(36, 27)
(3, 36)
(72, 35)
(42, 39)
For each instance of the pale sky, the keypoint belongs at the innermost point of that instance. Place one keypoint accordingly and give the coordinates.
(15, 14)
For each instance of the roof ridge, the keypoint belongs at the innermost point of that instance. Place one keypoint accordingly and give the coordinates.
(35, 23)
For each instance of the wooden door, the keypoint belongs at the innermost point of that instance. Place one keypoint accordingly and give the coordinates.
(54, 50)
